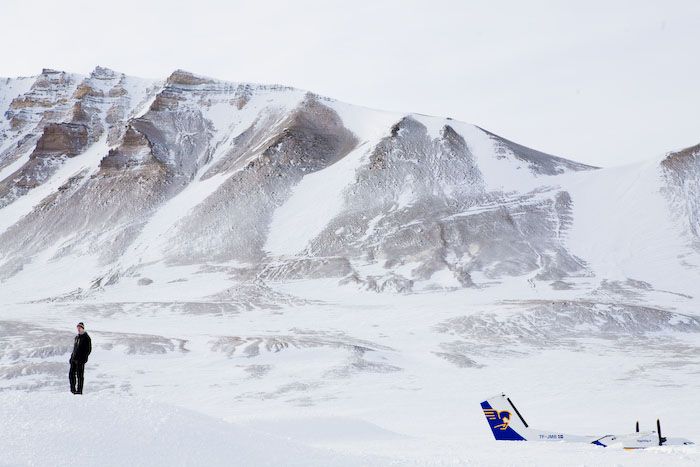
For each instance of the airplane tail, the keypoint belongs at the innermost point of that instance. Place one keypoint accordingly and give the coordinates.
(507, 424)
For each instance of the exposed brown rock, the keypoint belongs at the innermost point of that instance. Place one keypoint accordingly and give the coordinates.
(62, 138)
(182, 77)
(682, 158)
(79, 113)
(85, 89)
(164, 101)
(117, 91)
(135, 150)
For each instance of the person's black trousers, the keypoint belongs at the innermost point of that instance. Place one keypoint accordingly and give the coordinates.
(77, 370)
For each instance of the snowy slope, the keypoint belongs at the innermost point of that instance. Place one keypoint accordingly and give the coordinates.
(115, 431)
(389, 380)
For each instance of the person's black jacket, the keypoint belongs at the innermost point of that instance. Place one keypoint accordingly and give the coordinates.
(81, 348)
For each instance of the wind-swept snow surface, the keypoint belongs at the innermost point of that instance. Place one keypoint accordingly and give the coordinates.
(64, 430)
(377, 383)
(116, 431)
(285, 275)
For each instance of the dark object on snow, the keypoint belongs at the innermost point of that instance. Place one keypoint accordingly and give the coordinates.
(77, 371)
(82, 347)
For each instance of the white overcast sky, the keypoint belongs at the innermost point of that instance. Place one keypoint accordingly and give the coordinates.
(604, 82)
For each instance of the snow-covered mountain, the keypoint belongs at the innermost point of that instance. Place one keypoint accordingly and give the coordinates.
(280, 259)
(270, 183)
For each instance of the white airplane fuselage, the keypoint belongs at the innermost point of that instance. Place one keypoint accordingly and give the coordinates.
(507, 424)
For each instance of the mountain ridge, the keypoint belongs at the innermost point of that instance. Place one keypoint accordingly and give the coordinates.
(286, 184)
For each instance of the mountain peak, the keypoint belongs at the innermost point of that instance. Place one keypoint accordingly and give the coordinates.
(104, 73)
(186, 78)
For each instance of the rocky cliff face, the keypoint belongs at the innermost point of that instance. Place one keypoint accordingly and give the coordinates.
(119, 176)
(682, 174)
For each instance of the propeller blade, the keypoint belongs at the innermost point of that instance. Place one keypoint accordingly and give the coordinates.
(662, 440)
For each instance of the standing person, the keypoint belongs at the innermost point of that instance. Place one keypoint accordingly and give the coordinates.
(81, 350)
